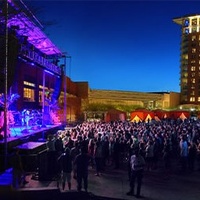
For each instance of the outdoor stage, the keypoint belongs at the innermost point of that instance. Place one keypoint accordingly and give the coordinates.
(23, 134)
(32, 144)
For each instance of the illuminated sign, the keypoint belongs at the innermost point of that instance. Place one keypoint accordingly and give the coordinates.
(34, 56)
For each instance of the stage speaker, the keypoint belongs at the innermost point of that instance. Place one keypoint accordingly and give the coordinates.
(58, 85)
(42, 165)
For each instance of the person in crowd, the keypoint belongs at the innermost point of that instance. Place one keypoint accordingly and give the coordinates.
(198, 154)
(81, 164)
(65, 163)
(98, 156)
(149, 156)
(167, 158)
(129, 154)
(51, 156)
(192, 153)
(137, 169)
(59, 146)
(70, 143)
(105, 151)
(156, 151)
(74, 152)
(116, 152)
(184, 152)
(91, 147)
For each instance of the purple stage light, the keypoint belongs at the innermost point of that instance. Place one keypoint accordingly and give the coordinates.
(48, 72)
(27, 28)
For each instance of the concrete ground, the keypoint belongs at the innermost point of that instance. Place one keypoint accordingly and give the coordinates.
(114, 184)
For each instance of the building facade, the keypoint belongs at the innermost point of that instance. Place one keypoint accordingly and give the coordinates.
(148, 100)
(189, 58)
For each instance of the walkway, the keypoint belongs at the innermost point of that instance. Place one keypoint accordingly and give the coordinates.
(113, 184)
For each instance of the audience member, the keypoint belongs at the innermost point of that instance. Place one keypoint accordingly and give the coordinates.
(137, 168)
(81, 164)
(65, 163)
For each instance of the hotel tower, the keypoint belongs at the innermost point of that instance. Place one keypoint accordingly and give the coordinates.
(189, 58)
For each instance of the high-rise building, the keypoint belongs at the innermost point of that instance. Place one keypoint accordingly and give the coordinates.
(189, 58)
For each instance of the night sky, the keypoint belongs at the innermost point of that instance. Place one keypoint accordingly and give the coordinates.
(118, 45)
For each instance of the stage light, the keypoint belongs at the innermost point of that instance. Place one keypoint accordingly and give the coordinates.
(49, 72)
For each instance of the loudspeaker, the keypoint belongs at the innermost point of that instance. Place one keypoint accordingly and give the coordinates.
(58, 85)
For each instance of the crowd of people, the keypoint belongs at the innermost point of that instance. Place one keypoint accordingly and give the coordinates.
(101, 144)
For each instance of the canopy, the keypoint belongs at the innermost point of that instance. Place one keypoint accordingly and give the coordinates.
(142, 115)
(115, 115)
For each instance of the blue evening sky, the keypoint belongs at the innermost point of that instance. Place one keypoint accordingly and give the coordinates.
(118, 45)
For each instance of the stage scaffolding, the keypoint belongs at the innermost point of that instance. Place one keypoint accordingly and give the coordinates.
(35, 47)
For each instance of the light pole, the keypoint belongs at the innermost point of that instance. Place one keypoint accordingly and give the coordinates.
(65, 93)
(65, 56)
(6, 86)
(43, 98)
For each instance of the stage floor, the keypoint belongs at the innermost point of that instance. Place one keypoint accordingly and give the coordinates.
(23, 131)
(22, 136)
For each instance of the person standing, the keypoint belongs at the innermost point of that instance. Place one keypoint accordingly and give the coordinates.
(81, 164)
(184, 152)
(74, 152)
(116, 152)
(65, 163)
(51, 156)
(167, 158)
(137, 169)
(98, 157)
(192, 152)
(149, 155)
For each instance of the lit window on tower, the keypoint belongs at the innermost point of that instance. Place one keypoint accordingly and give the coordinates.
(184, 81)
(186, 22)
(192, 93)
(194, 50)
(185, 56)
(194, 29)
(193, 68)
(192, 99)
(186, 31)
(185, 75)
(194, 37)
(193, 80)
(193, 74)
(194, 22)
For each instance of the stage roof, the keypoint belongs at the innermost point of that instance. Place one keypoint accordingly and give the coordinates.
(24, 26)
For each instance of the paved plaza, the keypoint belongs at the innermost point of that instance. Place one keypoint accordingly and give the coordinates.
(114, 184)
